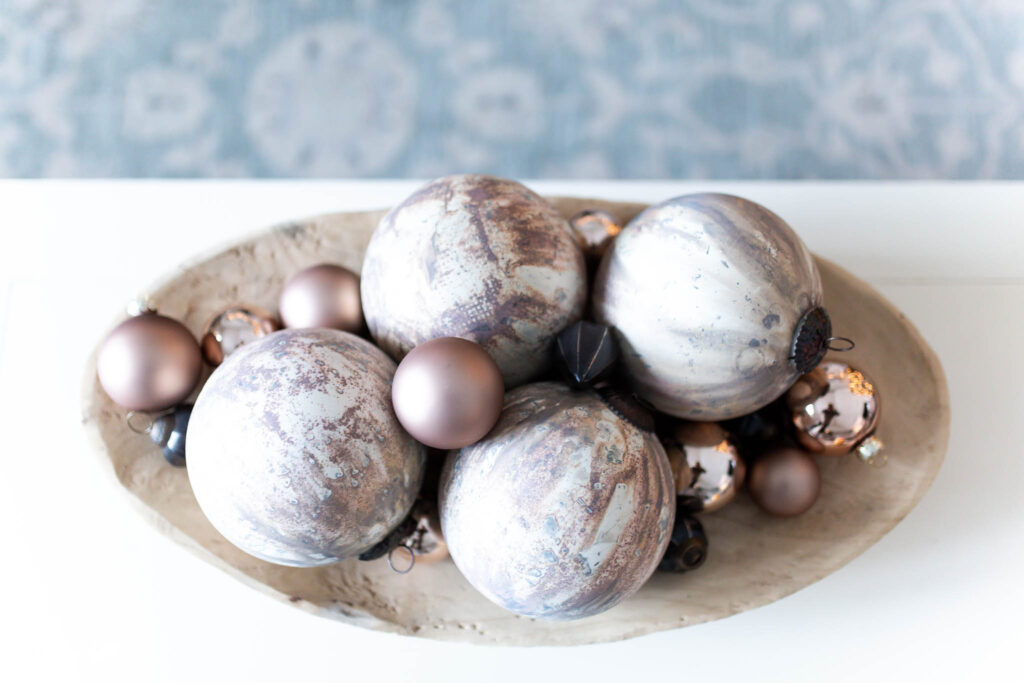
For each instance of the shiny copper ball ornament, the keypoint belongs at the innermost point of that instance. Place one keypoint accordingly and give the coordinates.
(322, 296)
(149, 362)
(716, 303)
(711, 470)
(447, 392)
(833, 409)
(595, 229)
(476, 257)
(563, 510)
(294, 451)
(233, 327)
(784, 482)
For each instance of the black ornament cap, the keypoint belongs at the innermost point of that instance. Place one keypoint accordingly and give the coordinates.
(397, 536)
(586, 351)
(811, 339)
(688, 547)
(628, 407)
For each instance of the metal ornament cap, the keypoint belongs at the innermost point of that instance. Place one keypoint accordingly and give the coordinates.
(811, 339)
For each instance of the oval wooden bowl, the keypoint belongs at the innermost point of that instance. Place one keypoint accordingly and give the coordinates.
(754, 559)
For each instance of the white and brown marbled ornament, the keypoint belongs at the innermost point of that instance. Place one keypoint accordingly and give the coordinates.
(716, 303)
(563, 510)
(294, 452)
(476, 257)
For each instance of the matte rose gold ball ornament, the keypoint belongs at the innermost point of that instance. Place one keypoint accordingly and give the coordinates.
(149, 363)
(233, 327)
(325, 295)
(784, 482)
(834, 409)
(447, 393)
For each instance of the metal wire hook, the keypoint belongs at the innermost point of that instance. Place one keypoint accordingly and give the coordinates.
(847, 344)
(412, 559)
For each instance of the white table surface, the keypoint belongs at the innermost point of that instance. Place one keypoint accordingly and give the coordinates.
(91, 592)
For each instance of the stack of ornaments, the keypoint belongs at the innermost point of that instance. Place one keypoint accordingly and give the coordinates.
(560, 441)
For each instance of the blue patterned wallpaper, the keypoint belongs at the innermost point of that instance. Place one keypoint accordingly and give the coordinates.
(534, 88)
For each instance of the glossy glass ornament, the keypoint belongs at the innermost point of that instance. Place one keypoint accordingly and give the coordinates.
(716, 470)
(595, 229)
(233, 327)
(833, 408)
(586, 353)
(168, 432)
(688, 548)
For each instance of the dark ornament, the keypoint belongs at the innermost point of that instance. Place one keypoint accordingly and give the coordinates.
(813, 335)
(586, 352)
(628, 407)
(168, 432)
(688, 548)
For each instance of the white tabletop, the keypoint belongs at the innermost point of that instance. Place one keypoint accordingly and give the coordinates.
(91, 592)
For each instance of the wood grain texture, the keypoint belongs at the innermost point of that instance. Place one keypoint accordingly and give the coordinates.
(753, 560)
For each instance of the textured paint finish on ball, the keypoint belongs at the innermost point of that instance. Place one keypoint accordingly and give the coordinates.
(294, 452)
(706, 292)
(563, 510)
(480, 258)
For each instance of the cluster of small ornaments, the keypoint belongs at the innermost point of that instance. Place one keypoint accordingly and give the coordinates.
(555, 404)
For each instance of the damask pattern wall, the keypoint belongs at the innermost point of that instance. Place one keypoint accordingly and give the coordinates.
(532, 88)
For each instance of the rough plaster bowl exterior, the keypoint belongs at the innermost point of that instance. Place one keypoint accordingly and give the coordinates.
(858, 504)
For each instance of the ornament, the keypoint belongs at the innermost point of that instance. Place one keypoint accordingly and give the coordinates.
(294, 452)
(586, 352)
(784, 482)
(233, 327)
(716, 304)
(713, 464)
(833, 408)
(447, 392)
(563, 510)
(480, 258)
(149, 363)
(322, 296)
(168, 432)
(688, 548)
(595, 229)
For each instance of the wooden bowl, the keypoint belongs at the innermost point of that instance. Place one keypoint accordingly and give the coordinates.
(754, 559)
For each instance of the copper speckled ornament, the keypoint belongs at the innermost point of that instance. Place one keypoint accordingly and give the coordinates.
(480, 258)
(714, 467)
(322, 296)
(595, 230)
(833, 408)
(149, 362)
(447, 392)
(233, 327)
(712, 299)
(784, 482)
(294, 452)
(563, 510)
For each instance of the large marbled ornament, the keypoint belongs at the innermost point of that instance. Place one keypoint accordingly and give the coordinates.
(563, 510)
(480, 258)
(294, 452)
(717, 305)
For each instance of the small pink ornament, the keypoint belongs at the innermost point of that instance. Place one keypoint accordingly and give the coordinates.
(448, 393)
(322, 296)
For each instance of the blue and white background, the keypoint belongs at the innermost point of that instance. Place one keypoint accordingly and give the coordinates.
(533, 88)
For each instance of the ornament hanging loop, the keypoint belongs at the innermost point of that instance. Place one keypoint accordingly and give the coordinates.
(840, 344)
(412, 559)
(134, 420)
